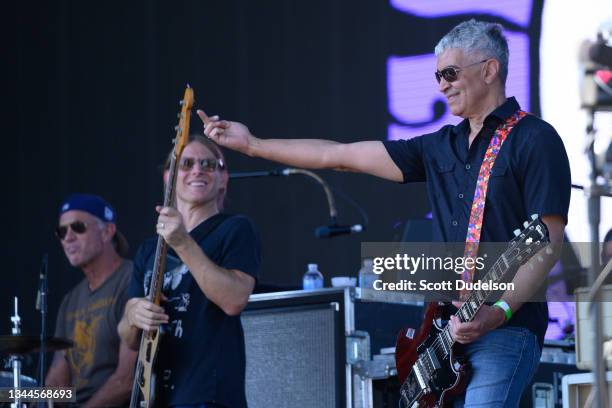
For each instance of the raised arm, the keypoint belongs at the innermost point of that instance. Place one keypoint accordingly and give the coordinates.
(369, 157)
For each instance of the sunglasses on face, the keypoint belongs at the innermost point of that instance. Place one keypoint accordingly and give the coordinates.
(209, 165)
(451, 73)
(78, 227)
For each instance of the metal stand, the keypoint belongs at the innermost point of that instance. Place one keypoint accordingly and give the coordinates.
(41, 305)
(594, 193)
(16, 359)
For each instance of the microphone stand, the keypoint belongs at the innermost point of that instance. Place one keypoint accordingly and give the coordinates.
(41, 305)
(251, 174)
(16, 359)
(331, 203)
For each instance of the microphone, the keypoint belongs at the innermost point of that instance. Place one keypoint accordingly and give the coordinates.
(323, 231)
(41, 301)
(330, 231)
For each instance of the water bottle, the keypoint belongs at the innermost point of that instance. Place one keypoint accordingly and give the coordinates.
(367, 275)
(313, 279)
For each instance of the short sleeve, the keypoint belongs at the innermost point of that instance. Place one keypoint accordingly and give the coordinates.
(122, 292)
(136, 285)
(60, 325)
(241, 247)
(546, 174)
(408, 157)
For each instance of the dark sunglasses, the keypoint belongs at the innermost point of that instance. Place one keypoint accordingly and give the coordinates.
(209, 165)
(450, 74)
(78, 227)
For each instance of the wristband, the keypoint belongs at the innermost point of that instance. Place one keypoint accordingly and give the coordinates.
(505, 307)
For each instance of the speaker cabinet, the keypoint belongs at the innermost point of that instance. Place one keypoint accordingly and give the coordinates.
(295, 351)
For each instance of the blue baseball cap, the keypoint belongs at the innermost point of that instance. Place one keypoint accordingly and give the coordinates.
(93, 204)
(100, 208)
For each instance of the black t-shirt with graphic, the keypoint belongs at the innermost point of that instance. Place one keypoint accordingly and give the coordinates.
(201, 357)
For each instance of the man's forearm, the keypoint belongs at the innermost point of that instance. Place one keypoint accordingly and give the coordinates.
(114, 392)
(530, 276)
(59, 372)
(369, 157)
(129, 334)
(307, 153)
(228, 289)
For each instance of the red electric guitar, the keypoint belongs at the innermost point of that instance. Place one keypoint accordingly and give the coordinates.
(429, 367)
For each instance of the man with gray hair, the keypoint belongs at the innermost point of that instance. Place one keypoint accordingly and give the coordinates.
(530, 174)
(100, 366)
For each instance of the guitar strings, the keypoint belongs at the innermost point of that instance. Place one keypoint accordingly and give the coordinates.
(437, 344)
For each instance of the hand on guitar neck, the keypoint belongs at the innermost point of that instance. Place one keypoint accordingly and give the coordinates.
(140, 313)
(488, 318)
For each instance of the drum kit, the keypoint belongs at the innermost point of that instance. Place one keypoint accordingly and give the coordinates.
(16, 346)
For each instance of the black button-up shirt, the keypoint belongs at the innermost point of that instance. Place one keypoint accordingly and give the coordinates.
(531, 175)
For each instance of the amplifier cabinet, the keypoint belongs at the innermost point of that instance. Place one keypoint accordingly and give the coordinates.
(295, 349)
(303, 348)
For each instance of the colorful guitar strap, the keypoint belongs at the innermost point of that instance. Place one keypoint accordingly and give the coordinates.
(472, 240)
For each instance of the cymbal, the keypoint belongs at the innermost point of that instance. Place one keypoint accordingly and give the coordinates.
(23, 344)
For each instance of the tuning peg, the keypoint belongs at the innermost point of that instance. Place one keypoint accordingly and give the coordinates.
(181, 102)
(534, 216)
(176, 128)
(516, 232)
(525, 224)
(549, 251)
(178, 115)
(540, 258)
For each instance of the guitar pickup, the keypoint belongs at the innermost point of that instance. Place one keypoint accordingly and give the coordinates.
(420, 378)
(433, 359)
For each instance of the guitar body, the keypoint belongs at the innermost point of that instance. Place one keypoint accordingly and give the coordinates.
(430, 365)
(143, 390)
(448, 376)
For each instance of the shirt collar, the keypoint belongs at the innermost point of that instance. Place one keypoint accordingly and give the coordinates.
(494, 119)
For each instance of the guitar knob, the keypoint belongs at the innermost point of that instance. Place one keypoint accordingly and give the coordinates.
(534, 216)
(525, 224)
(516, 232)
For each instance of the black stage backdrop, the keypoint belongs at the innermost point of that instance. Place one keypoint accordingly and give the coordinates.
(91, 96)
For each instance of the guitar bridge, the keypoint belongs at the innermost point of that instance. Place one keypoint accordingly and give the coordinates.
(412, 390)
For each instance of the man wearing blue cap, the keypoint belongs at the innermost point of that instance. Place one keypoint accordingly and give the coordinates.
(99, 366)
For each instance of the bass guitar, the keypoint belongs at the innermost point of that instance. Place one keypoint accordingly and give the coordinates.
(143, 389)
(429, 366)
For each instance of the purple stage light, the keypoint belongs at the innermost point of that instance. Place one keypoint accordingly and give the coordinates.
(516, 11)
(415, 102)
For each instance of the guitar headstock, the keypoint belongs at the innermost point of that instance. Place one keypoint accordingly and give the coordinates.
(182, 129)
(528, 241)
